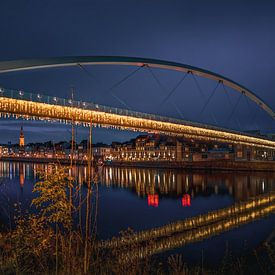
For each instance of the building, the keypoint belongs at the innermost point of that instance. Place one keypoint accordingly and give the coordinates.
(151, 148)
(145, 148)
(4, 151)
(21, 138)
(101, 151)
(156, 147)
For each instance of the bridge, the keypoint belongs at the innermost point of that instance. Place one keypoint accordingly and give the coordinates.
(36, 106)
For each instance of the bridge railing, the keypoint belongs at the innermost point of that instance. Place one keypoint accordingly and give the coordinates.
(19, 94)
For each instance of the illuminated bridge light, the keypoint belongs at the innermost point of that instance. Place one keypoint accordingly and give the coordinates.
(39, 108)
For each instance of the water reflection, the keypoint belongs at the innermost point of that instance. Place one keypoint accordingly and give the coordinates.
(170, 241)
(207, 204)
(155, 184)
(232, 216)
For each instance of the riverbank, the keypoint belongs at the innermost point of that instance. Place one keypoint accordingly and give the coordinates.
(44, 160)
(220, 165)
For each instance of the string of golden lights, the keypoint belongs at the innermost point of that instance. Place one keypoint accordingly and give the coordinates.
(26, 109)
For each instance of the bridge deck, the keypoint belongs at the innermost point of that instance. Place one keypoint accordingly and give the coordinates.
(29, 105)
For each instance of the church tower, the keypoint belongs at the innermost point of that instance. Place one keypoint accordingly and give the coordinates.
(21, 138)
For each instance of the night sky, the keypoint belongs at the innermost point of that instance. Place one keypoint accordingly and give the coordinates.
(232, 38)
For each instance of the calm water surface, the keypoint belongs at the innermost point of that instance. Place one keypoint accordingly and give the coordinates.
(144, 199)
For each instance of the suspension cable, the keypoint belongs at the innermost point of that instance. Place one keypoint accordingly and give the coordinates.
(165, 90)
(174, 89)
(235, 107)
(253, 113)
(228, 97)
(202, 94)
(178, 110)
(88, 73)
(254, 117)
(231, 105)
(109, 91)
(197, 84)
(208, 100)
(156, 78)
(115, 85)
(120, 101)
(118, 83)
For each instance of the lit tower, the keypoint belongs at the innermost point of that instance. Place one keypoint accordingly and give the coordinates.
(21, 138)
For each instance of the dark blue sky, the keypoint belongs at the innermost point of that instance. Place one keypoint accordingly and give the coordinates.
(233, 38)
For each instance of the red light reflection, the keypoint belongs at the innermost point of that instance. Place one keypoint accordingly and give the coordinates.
(153, 200)
(186, 200)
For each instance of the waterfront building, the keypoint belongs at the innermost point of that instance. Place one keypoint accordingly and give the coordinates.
(143, 148)
(163, 148)
(101, 151)
(21, 138)
(4, 150)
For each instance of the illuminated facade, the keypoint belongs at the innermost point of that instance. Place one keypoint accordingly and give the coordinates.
(4, 151)
(145, 148)
(21, 138)
(165, 148)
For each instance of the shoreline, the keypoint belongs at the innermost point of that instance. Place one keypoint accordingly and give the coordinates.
(216, 165)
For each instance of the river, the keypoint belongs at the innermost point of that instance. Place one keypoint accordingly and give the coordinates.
(148, 199)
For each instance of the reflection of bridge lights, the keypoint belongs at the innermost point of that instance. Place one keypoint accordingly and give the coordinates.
(198, 227)
(130, 176)
(186, 200)
(21, 179)
(153, 200)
